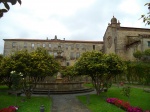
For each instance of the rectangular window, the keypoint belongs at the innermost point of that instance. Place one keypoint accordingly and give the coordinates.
(72, 46)
(44, 45)
(67, 63)
(72, 56)
(38, 45)
(25, 45)
(32, 45)
(66, 46)
(93, 47)
(77, 46)
(77, 55)
(13, 44)
(61, 45)
(50, 45)
(148, 43)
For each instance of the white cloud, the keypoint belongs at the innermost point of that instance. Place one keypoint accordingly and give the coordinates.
(129, 7)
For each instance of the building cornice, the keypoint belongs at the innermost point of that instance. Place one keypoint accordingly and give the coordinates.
(134, 29)
(55, 40)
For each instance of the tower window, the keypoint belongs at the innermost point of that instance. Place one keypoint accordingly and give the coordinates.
(148, 43)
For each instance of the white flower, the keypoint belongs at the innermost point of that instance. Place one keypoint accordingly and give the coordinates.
(12, 72)
(20, 74)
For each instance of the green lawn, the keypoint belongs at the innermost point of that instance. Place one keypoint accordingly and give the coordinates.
(29, 105)
(99, 104)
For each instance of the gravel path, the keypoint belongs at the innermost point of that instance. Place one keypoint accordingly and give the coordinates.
(67, 103)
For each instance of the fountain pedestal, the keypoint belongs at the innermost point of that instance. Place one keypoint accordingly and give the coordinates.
(59, 78)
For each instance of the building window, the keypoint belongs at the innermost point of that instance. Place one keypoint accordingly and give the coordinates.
(93, 47)
(38, 45)
(72, 46)
(67, 64)
(13, 44)
(32, 45)
(148, 43)
(44, 45)
(72, 56)
(83, 47)
(77, 46)
(61, 45)
(66, 46)
(50, 45)
(25, 45)
(77, 55)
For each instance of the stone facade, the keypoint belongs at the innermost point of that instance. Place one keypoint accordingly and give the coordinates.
(68, 49)
(123, 41)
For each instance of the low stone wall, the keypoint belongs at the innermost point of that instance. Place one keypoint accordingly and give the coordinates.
(60, 86)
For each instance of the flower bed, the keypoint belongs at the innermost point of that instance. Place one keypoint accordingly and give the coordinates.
(124, 105)
(9, 109)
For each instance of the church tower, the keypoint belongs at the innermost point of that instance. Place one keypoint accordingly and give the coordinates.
(110, 37)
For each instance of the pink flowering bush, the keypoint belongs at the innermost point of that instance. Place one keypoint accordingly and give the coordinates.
(134, 109)
(124, 105)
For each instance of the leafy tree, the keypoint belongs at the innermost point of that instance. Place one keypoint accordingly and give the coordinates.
(146, 18)
(100, 67)
(6, 5)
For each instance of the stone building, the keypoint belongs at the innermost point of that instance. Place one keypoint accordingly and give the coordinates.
(124, 41)
(69, 50)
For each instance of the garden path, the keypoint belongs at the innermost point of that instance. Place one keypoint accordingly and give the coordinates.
(68, 103)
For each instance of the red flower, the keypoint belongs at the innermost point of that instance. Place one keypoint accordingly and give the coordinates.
(9, 109)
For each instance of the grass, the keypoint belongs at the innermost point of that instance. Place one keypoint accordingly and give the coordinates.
(99, 104)
(29, 105)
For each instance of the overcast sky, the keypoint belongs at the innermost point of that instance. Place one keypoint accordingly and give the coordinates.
(69, 19)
